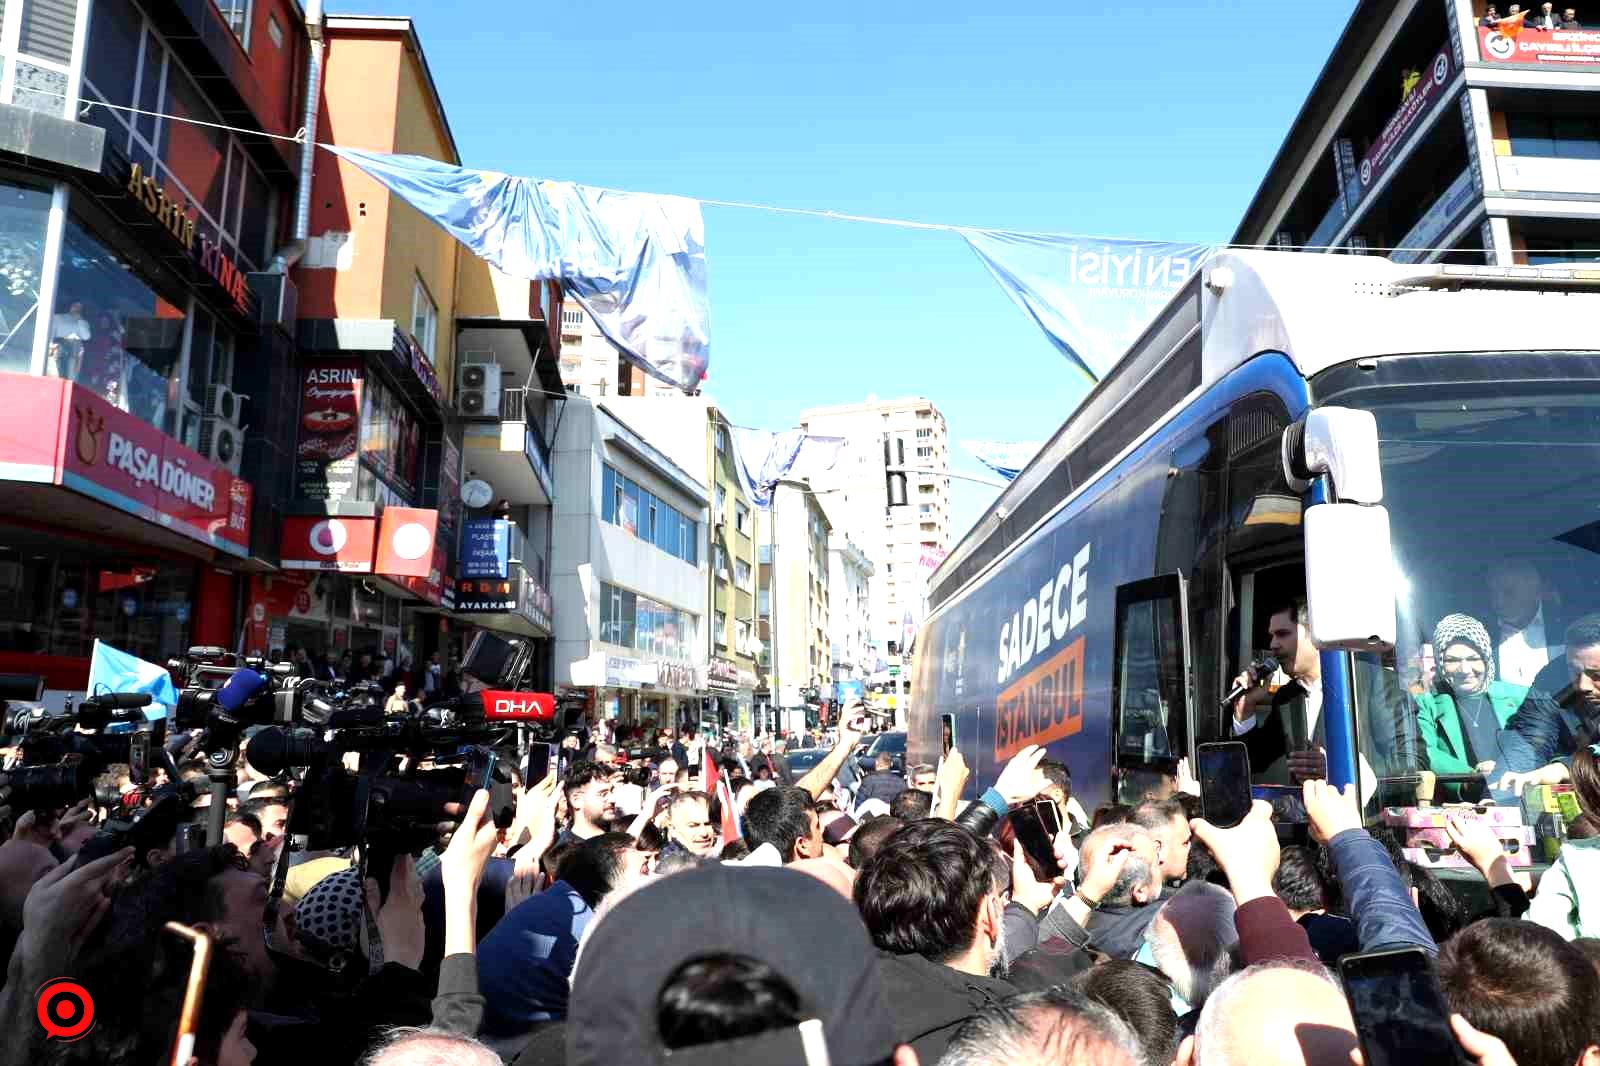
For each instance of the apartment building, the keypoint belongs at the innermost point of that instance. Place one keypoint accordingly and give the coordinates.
(793, 609)
(883, 436)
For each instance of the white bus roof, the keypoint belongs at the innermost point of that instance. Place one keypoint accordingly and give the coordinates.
(1319, 311)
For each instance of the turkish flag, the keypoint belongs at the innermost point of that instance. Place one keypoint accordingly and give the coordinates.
(711, 784)
(405, 541)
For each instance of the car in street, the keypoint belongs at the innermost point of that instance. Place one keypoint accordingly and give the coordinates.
(892, 744)
(802, 760)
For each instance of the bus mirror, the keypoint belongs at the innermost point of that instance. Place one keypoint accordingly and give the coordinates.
(1341, 443)
(1350, 587)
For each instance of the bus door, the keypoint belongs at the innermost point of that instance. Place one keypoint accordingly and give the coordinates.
(1151, 687)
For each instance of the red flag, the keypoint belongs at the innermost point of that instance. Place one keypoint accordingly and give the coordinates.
(711, 784)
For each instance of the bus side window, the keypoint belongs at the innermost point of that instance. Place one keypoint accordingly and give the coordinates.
(1150, 686)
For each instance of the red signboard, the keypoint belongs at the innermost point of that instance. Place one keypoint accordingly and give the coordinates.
(406, 539)
(330, 429)
(1424, 99)
(342, 544)
(1540, 47)
(431, 588)
(66, 435)
(502, 706)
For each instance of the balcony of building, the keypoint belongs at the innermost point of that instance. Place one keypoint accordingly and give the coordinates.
(507, 393)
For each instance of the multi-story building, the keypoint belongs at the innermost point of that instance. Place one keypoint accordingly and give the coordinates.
(629, 565)
(421, 373)
(591, 366)
(138, 366)
(1430, 136)
(849, 609)
(910, 434)
(693, 430)
(792, 608)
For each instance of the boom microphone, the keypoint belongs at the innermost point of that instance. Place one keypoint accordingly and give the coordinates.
(1261, 668)
(117, 701)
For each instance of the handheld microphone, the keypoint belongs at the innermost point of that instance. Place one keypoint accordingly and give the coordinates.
(240, 689)
(1259, 669)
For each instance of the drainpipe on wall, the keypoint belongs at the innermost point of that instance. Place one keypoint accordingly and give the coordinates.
(291, 253)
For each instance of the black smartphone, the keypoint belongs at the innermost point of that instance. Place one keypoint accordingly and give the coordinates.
(1400, 1011)
(139, 757)
(947, 728)
(1036, 825)
(1224, 772)
(540, 758)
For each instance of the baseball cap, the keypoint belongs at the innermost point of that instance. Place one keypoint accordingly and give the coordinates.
(806, 931)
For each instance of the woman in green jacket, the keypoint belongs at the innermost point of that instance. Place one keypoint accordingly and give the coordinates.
(1461, 719)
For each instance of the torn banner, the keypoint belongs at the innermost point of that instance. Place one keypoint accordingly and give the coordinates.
(1091, 297)
(765, 458)
(635, 261)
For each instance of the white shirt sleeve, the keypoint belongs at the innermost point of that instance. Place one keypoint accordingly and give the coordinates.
(1241, 728)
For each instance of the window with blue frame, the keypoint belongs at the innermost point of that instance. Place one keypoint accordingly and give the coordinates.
(625, 503)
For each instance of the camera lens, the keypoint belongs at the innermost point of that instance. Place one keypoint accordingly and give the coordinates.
(44, 787)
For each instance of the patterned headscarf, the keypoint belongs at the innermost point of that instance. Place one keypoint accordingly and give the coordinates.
(328, 919)
(1463, 629)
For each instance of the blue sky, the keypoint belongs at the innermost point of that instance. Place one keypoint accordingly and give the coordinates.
(1151, 120)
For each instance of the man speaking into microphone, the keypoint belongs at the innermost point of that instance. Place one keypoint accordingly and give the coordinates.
(1282, 725)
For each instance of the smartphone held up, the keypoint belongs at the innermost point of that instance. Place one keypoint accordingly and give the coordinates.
(1223, 770)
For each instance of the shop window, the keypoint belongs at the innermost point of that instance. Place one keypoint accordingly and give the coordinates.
(113, 332)
(24, 214)
(424, 318)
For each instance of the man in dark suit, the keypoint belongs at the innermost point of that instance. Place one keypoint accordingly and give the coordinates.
(1546, 19)
(1283, 729)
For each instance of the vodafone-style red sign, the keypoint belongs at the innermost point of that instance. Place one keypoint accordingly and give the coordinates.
(62, 434)
(405, 541)
(502, 706)
(345, 545)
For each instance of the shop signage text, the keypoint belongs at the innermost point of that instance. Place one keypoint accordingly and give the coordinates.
(1550, 47)
(485, 548)
(330, 428)
(722, 674)
(1405, 122)
(171, 214)
(423, 368)
(72, 437)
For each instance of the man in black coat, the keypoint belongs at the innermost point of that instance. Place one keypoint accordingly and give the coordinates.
(883, 783)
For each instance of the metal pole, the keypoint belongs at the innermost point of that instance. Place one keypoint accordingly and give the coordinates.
(772, 603)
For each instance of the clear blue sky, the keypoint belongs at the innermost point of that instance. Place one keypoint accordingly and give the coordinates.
(1153, 119)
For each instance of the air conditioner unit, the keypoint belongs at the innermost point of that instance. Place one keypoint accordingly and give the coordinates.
(222, 442)
(222, 402)
(478, 391)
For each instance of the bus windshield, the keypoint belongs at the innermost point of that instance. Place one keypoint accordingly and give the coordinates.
(1489, 475)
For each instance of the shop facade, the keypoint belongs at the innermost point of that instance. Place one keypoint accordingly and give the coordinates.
(127, 319)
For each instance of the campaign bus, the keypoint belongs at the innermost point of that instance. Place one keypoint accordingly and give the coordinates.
(1394, 454)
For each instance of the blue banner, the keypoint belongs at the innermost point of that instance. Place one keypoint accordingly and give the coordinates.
(635, 261)
(485, 549)
(1091, 297)
(1006, 458)
(111, 670)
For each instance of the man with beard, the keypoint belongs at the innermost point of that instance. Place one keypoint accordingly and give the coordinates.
(588, 787)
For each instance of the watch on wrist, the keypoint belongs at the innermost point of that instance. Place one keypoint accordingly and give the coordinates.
(1092, 904)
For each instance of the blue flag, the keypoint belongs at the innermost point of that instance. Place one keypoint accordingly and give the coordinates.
(1091, 297)
(635, 261)
(1006, 458)
(764, 458)
(111, 670)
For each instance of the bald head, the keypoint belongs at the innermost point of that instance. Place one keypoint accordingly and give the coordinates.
(1056, 1027)
(1274, 1014)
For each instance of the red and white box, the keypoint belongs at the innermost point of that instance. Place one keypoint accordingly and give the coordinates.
(1433, 817)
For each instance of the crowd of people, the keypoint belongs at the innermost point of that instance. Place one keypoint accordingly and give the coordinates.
(1545, 19)
(695, 899)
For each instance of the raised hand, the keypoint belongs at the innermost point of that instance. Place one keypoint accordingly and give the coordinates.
(1022, 779)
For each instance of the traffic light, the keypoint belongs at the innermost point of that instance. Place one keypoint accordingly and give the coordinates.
(894, 476)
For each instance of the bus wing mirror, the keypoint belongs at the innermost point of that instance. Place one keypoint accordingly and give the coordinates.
(1350, 577)
(1343, 444)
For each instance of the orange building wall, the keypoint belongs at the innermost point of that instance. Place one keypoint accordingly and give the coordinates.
(360, 92)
